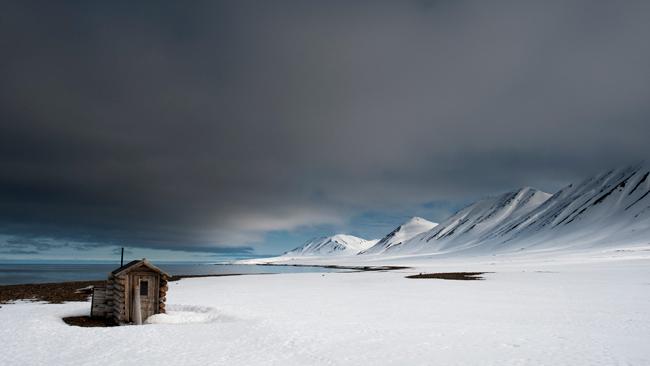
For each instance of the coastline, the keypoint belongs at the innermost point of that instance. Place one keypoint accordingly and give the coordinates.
(335, 266)
(59, 292)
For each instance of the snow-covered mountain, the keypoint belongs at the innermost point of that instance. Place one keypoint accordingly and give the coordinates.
(469, 226)
(609, 210)
(340, 244)
(406, 231)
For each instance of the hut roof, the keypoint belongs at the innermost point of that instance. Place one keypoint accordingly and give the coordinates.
(136, 264)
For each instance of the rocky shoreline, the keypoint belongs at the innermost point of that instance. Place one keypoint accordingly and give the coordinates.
(59, 292)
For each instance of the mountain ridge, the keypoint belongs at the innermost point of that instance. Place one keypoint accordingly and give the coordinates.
(414, 226)
(609, 209)
(338, 244)
(470, 224)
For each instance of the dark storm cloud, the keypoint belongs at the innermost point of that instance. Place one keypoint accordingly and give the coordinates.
(203, 126)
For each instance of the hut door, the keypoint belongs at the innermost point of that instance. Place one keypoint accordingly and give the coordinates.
(148, 291)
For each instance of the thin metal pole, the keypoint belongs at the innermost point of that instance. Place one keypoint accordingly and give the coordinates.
(122, 258)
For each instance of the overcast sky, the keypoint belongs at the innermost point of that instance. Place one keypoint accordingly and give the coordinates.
(241, 127)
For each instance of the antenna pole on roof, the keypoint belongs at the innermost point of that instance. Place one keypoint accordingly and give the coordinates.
(122, 258)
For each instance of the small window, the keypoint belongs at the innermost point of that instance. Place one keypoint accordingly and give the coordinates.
(144, 288)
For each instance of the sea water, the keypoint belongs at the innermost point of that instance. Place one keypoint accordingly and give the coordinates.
(22, 273)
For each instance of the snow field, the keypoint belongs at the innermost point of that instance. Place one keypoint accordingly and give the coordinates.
(593, 312)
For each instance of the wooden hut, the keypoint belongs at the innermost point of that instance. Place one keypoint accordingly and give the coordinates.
(137, 284)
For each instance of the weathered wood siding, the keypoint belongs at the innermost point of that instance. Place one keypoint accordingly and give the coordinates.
(99, 305)
(162, 295)
(114, 300)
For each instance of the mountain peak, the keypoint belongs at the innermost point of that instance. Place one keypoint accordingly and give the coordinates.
(468, 226)
(414, 226)
(526, 189)
(606, 209)
(415, 219)
(337, 244)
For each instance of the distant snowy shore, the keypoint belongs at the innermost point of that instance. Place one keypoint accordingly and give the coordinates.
(432, 260)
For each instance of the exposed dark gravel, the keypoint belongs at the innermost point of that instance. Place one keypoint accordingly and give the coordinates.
(462, 276)
(180, 277)
(54, 293)
(87, 321)
(354, 268)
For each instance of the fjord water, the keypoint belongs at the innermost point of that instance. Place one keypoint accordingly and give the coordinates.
(23, 273)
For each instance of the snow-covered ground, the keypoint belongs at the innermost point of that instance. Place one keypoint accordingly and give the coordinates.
(533, 310)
